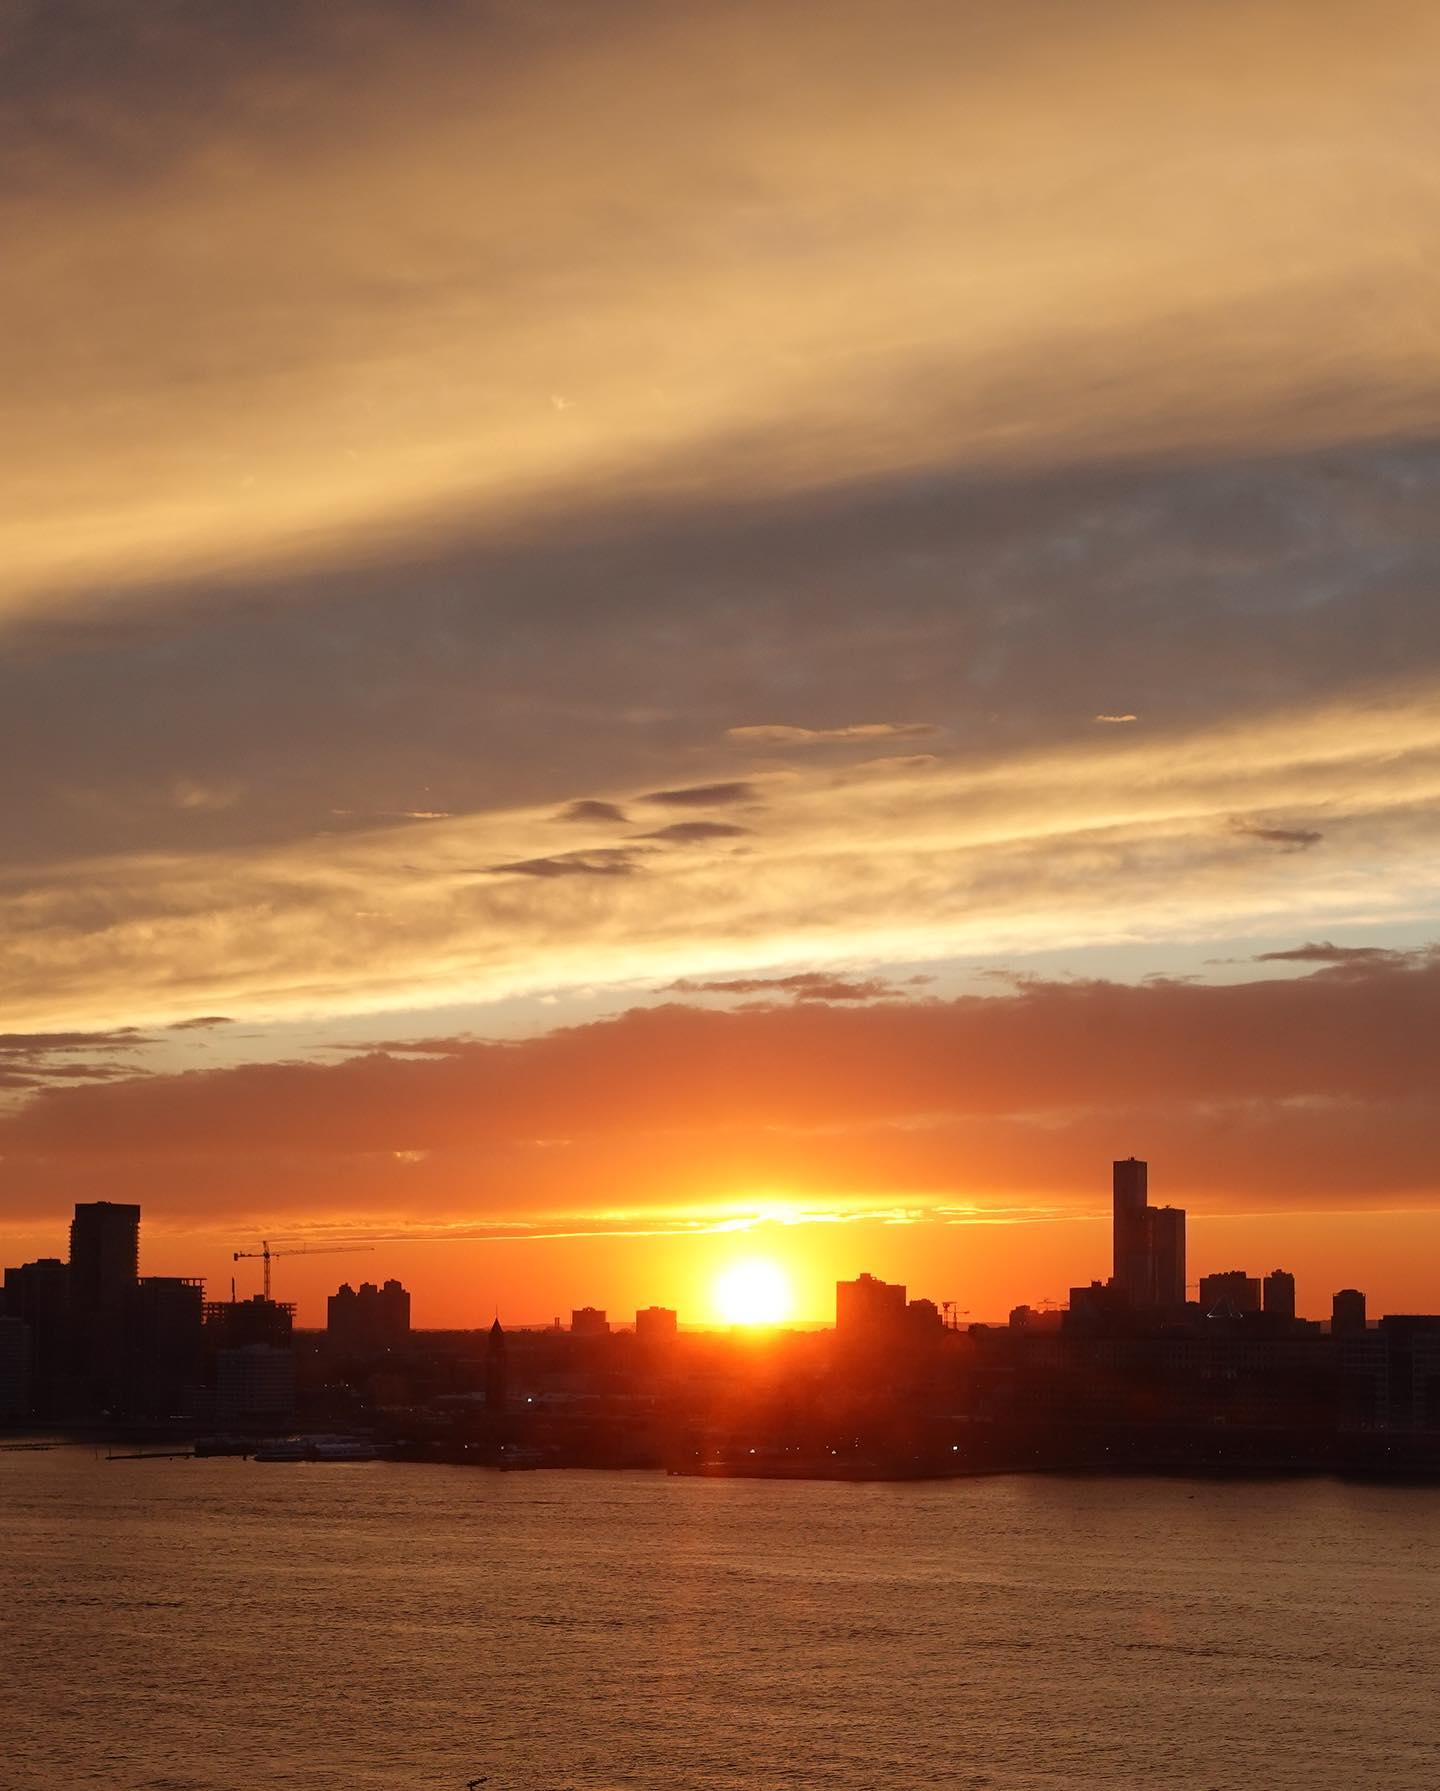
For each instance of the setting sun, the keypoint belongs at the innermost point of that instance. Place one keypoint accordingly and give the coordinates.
(754, 1292)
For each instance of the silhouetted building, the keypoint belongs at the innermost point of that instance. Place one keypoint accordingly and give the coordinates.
(1031, 1318)
(1149, 1241)
(495, 1370)
(104, 1256)
(1166, 1225)
(868, 1307)
(255, 1386)
(1412, 1368)
(589, 1321)
(163, 1337)
(1131, 1230)
(656, 1322)
(104, 1268)
(235, 1324)
(1093, 1307)
(923, 1317)
(369, 1320)
(1230, 1291)
(1347, 1313)
(1278, 1294)
(38, 1294)
(14, 1370)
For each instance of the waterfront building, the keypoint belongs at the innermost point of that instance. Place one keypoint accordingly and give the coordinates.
(255, 1386)
(38, 1294)
(163, 1338)
(104, 1270)
(14, 1370)
(104, 1256)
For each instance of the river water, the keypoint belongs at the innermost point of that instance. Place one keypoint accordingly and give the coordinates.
(229, 1625)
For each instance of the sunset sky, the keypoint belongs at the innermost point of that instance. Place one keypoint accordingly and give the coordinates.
(634, 636)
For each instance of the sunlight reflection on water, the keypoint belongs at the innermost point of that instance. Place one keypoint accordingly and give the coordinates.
(226, 1625)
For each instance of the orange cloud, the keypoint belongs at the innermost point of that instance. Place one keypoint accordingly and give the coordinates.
(1260, 1095)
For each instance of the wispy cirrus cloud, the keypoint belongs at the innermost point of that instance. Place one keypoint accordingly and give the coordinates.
(589, 808)
(857, 733)
(1289, 839)
(692, 833)
(1363, 958)
(603, 861)
(800, 985)
(1124, 841)
(721, 795)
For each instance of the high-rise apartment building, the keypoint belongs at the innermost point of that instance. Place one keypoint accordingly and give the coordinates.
(104, 1273)
(104, 1255)
(1277, 1294)
(1167, 1255)
(370, 1320)
(38, 1294)
(867, 1306)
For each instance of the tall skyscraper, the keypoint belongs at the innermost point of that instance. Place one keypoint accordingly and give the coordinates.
(104, 1255)
(1167, 1255)
(1133, 1277)
(104, 1274)
(1149, 1271)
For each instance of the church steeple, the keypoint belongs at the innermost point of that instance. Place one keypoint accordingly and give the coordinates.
(495, 1369)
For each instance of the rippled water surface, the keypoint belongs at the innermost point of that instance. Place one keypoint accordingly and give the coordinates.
(226, 1625)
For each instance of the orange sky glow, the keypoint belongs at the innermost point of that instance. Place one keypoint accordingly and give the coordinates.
(761, 633)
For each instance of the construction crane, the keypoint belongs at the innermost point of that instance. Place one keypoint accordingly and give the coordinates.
(265, 1254)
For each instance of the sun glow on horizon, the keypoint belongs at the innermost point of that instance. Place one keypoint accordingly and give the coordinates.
(755, 1291)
